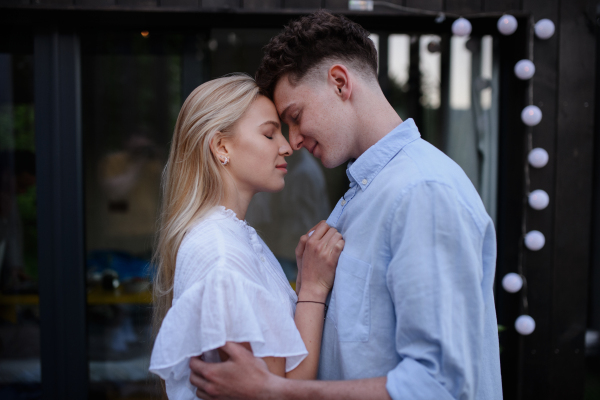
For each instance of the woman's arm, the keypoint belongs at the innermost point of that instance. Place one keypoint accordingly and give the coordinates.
(317, 259)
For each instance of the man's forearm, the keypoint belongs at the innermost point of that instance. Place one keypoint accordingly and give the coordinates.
(362, 389)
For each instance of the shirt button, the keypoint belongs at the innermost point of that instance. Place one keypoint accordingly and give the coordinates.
(364, 181)
(343, 202)
(262, 259)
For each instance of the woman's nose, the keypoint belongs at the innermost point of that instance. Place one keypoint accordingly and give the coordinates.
(285, 150)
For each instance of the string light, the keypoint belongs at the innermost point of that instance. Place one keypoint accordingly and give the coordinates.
(538, 157)
(512, 282)
(524, 69)
(461, 27)
(525, 325)
(539, 199)
(535, 240)
(531, 115)
(544, 29)
(507, 24)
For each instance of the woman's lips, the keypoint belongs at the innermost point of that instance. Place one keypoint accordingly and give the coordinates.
(282, 167)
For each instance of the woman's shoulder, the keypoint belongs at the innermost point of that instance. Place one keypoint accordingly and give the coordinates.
(214, 241)
(212, 233)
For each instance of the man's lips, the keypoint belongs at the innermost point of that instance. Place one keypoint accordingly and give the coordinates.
(312, 151)
(282, 167)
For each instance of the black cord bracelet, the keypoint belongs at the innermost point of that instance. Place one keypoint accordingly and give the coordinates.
(316, 302)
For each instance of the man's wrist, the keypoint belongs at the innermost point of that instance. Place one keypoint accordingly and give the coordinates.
(275, 388)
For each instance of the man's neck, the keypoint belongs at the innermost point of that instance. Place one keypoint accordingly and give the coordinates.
(377, 119)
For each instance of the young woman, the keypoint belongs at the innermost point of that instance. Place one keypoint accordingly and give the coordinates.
(217, 281)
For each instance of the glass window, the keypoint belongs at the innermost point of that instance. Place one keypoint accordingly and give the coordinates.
(20, 375)
(131, 95)
(457, 114)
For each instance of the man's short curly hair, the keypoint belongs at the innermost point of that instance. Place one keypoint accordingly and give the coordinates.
(306, 42)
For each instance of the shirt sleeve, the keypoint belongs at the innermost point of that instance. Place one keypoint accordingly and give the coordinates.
(224, 306)
(435, 277)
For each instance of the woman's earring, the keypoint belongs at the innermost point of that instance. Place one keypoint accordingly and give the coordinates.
(225, 161)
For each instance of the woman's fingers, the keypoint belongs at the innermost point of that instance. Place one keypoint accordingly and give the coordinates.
(319, 231)
(336, 250)
(326, 239)
(301, 246)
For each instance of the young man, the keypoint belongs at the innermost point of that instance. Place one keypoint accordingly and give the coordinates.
(411, 315)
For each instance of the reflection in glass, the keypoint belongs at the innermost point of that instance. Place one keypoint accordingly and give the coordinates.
(20, 375)
(132, 86)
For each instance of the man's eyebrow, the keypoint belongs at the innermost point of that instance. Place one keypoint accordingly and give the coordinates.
(274, 123)
(283, 113)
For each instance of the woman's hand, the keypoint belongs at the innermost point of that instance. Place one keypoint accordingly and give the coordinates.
(317, 256)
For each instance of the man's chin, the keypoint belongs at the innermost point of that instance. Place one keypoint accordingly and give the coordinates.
(329, 163)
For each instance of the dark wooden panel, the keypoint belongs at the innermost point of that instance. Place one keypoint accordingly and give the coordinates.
(137, 3)
(221, 4)
(463, 6)
(501, 5)
(179, 3)
(302, 4)
(538, 352)
(512, 146)
(576, 82)
(336, 4)
(64, 361)
(431, 5)
(15, 2)
(262, 4)
(54, 2)
(95, 3)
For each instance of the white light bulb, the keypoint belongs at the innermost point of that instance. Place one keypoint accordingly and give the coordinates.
(524, 69)
(512, 282)
(507, 24)
(544, 28)
(539, 199)
(461, 27)
(535, 240)
(525, 325)
(531, 115)
(538, 157)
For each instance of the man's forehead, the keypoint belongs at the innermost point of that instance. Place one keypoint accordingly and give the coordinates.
(284, 95)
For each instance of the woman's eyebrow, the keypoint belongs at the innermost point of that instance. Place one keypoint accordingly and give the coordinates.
(274, 123)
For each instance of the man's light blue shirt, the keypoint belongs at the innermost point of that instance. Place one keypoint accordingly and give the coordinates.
(413, 297)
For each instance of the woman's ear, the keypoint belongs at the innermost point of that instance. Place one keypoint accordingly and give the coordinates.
(219, 147)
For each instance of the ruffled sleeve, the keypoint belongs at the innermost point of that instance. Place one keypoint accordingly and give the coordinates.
(224, 306)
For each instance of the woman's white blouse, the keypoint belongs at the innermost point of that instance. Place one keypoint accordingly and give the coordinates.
(228, 287)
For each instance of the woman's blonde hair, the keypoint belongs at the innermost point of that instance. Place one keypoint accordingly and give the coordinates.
(191, 183)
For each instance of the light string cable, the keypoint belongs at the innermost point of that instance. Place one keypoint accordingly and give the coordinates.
(441, 15)
(527, 182)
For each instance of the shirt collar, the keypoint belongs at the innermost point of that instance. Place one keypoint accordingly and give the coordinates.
(365, 168)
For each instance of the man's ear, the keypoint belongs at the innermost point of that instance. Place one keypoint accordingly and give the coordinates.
(340, 80)
(219, 147)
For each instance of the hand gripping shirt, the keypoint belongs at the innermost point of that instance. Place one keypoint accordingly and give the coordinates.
(228, 287)
(413, 297)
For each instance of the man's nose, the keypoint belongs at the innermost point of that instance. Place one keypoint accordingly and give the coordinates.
(296, 139)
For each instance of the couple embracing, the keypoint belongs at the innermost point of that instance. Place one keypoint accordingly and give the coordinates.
(394, 295)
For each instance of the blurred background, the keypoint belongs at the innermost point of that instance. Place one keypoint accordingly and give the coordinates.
(89, 95)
